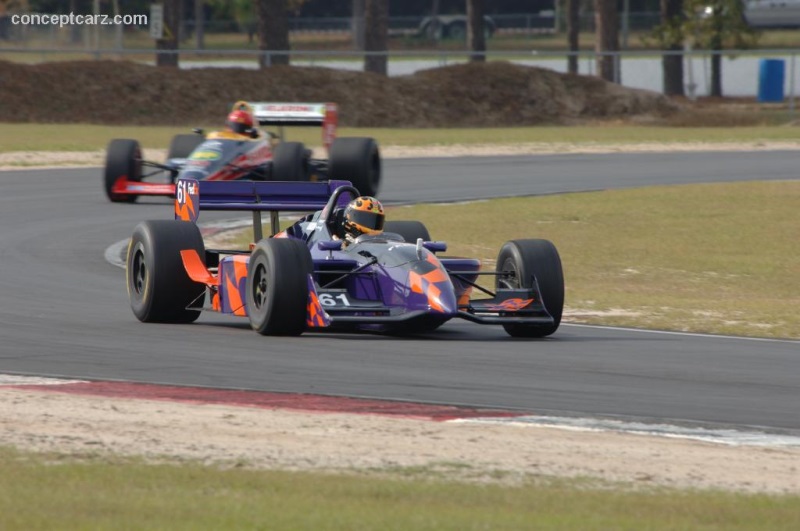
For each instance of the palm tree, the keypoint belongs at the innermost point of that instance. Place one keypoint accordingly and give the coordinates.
(607, 39)
(168, 46)
(475, 35)
(376, 37)
(573, 31)
(273, 32)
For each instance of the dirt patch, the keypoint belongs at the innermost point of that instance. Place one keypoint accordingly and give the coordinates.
(277, 439)
(468, 95)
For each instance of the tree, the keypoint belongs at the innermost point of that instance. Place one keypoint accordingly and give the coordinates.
(75, 30)
(607, 39)
(168, 46)
(199, 24)
(434, 26)
(273, 32)
(376, 37)
(670, 36)
(712, 25)
(357, 24)
(475, 34)
(573, 32)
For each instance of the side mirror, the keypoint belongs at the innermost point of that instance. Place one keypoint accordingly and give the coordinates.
(330, 245)
(197, 131)
(435, 247)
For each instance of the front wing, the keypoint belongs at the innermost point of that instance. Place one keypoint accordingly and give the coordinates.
(509, 306)
(327, 307)
(124, 187)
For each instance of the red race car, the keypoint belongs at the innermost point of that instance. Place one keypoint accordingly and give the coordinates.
(242, 151)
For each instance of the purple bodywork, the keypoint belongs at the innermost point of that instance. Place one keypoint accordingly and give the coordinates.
(378, 282)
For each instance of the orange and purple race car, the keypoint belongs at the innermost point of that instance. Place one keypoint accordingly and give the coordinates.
(243, 151)
(318, 274)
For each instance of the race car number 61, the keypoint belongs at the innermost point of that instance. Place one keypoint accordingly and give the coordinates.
(183, 189)
(326, 299)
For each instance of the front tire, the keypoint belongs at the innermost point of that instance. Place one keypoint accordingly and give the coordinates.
(159, 288)
(123, 159)
(526, 259)
(409, 230)
(290, 162)
(357, 160)
(277, 287)
(183, 145)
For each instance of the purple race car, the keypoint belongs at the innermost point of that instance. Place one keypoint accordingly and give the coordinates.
(310, 276)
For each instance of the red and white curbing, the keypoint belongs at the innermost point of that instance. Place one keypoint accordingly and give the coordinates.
(309, 403)
(257, 399)
(13, 380)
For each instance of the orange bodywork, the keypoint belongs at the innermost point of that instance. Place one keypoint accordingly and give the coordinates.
(234, 280)
(426, 284)
(186, 212)
(316, 316)
(510, 305)
(196, 269)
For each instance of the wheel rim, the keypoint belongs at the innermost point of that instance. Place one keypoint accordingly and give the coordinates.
(259, 286)
(139, 273)
(510, 277)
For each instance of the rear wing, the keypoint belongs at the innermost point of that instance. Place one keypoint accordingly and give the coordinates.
(191, 196)
(298, 114)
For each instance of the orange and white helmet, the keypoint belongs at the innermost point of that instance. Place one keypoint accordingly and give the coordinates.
(363, 215)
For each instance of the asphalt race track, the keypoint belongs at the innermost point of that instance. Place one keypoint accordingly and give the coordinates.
(65, 311)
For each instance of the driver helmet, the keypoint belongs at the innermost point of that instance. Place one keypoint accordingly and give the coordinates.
(240, 122)
(363, 215)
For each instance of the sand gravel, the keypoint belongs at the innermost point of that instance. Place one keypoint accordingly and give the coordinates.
(292, 440)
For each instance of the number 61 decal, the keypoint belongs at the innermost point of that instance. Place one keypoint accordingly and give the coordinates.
(187, 195)
(327, 299)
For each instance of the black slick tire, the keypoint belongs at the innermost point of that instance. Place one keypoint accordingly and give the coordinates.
(409, 230)
(159, 288)
(357, 160)
(123, 159)
(277, 287)
(290, 162)
(526, 259)
(183, 145)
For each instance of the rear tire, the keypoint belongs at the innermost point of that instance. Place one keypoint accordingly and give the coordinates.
(123, 159)
(409, 230)
(529, 258)
(290, 162)
(277, 287)
(159, 288)
(357, 160)
(183, 145)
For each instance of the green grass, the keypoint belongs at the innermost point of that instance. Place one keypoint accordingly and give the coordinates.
(83, 137)
(42, 492)
(717, 258)
(711, 258)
